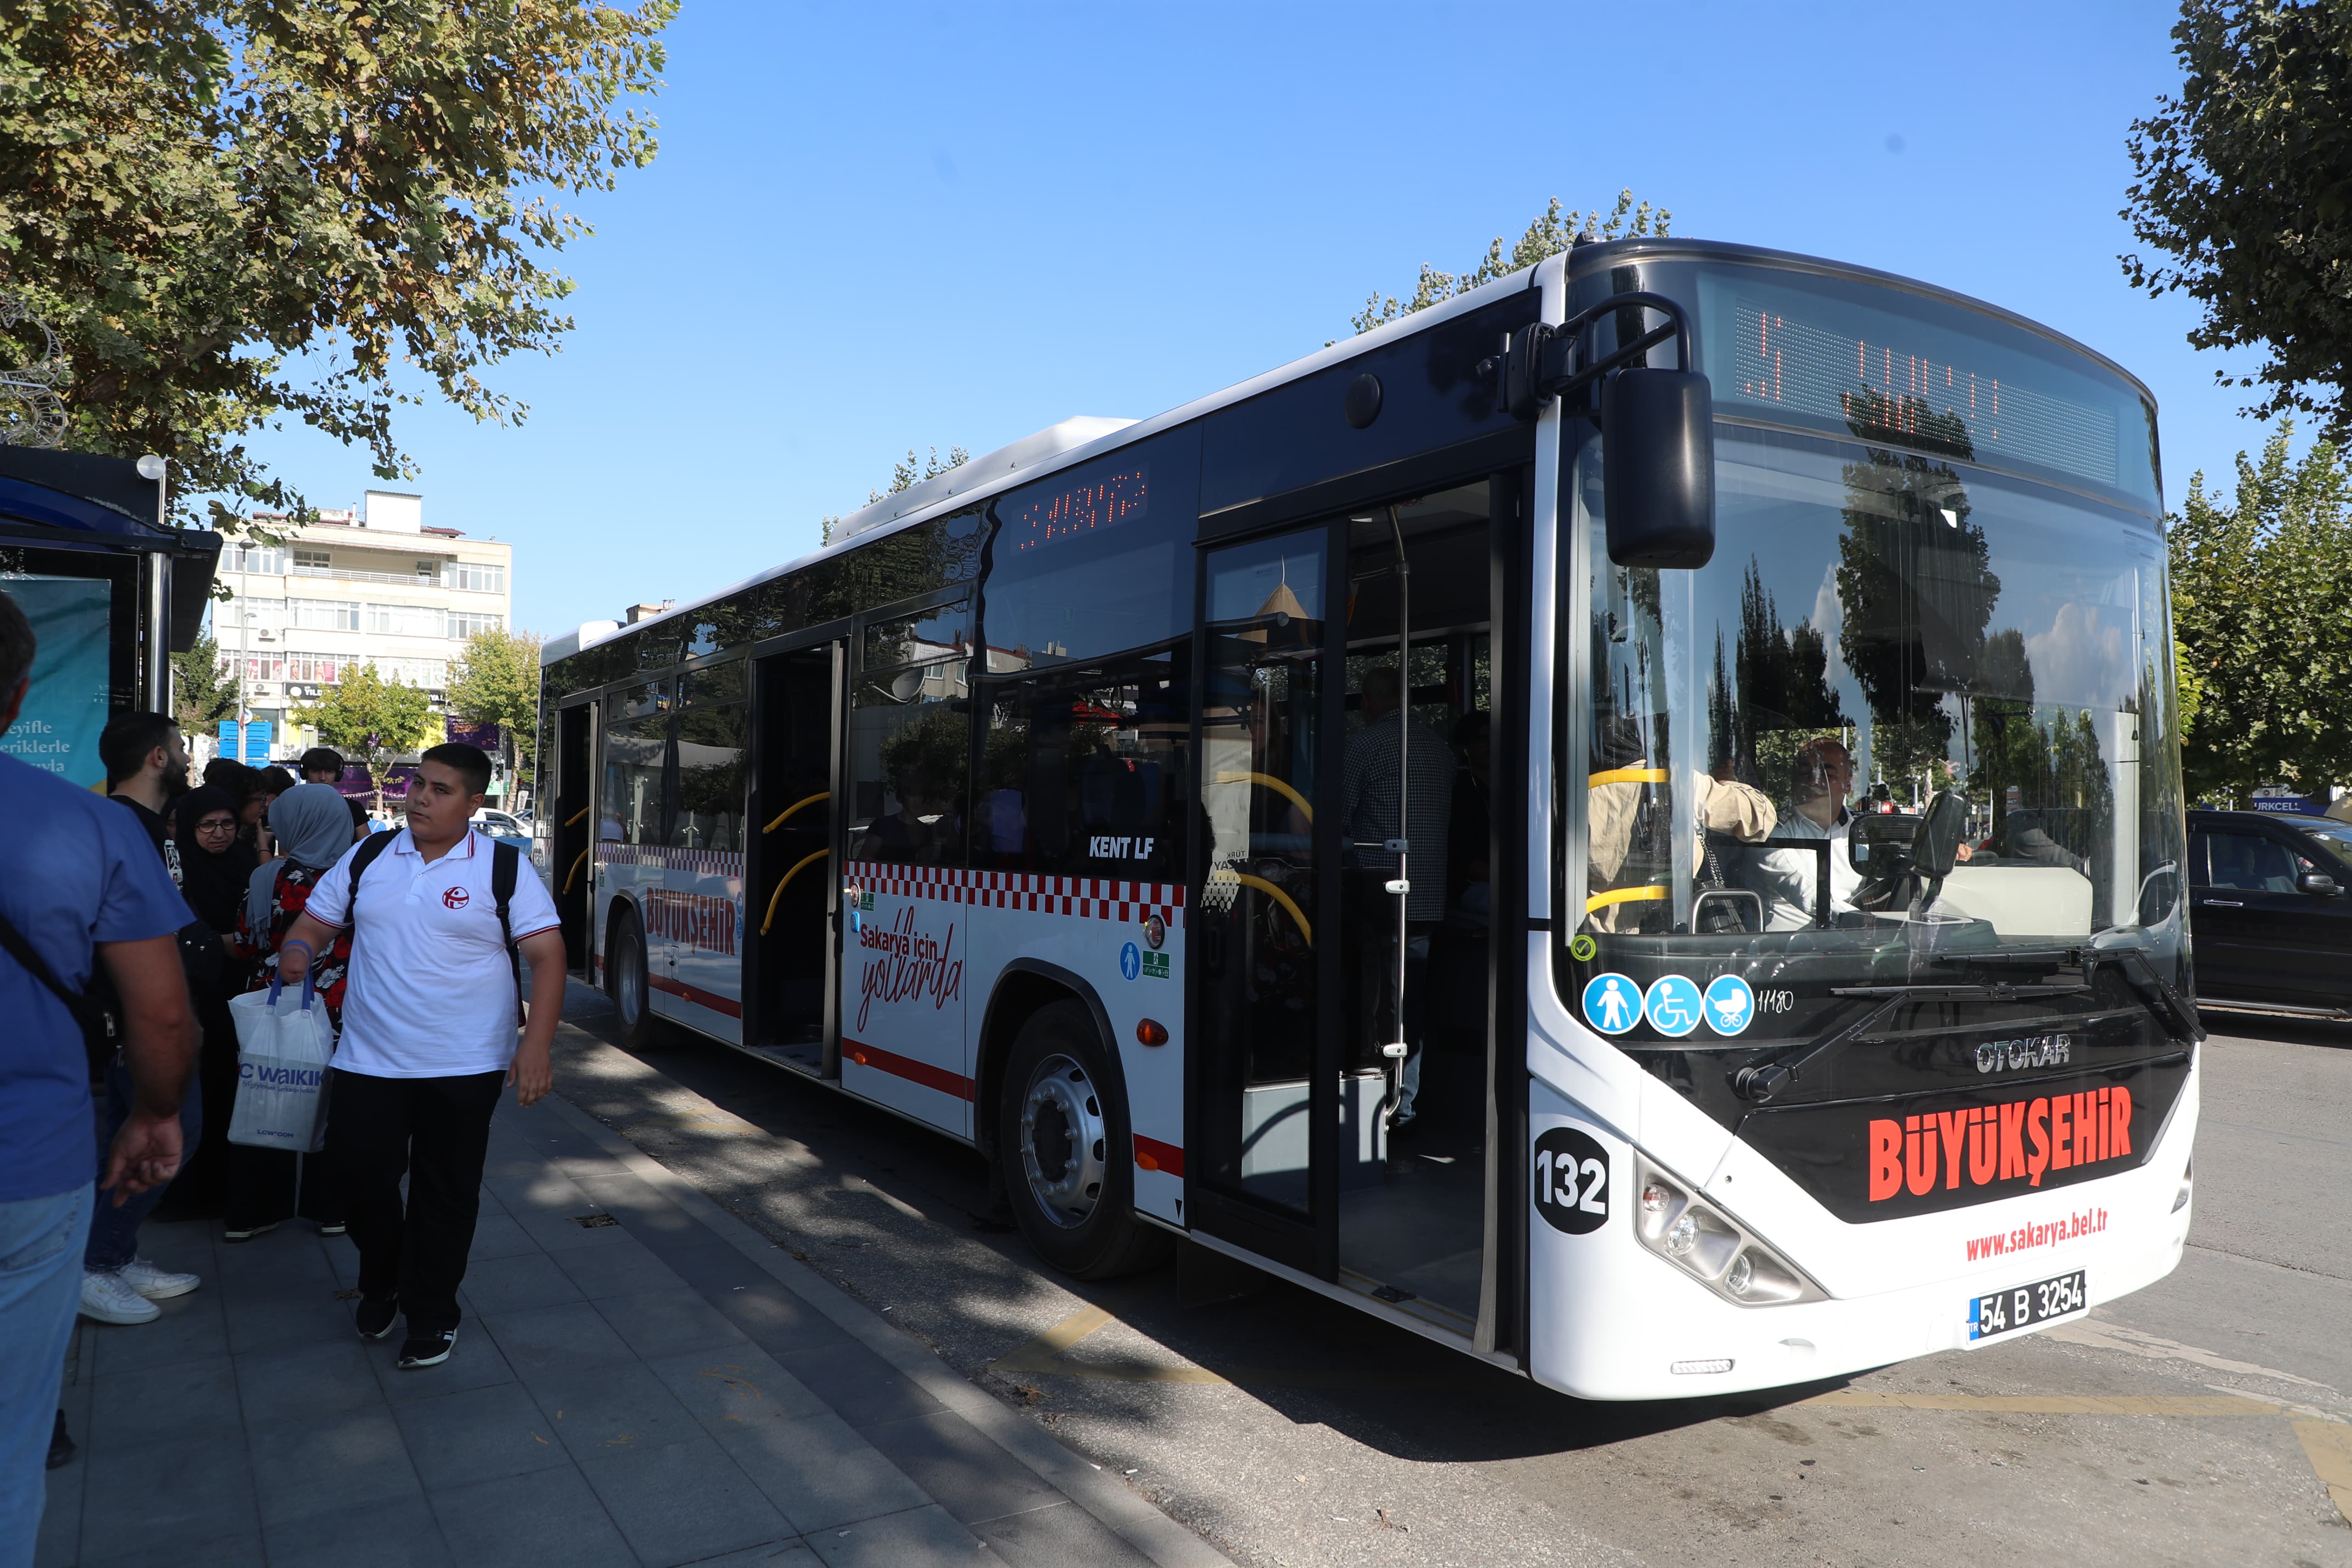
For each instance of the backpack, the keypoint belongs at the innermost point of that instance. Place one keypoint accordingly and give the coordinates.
(506, 866)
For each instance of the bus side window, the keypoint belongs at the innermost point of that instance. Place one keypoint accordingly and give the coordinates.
(910, 744)
(637, 743)
(1085, 770)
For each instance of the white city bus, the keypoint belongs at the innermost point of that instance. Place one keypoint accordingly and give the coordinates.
(1755, 953)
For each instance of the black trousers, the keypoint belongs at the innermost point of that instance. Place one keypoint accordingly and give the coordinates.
(436, 1132)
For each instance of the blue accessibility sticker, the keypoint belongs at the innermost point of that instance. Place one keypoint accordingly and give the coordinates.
(1612, 1004)
(1131, 961)
(1672, 1005)
(1730, 1005)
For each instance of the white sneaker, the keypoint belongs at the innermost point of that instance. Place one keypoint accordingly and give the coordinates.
(108, 1298)
(157, 1284)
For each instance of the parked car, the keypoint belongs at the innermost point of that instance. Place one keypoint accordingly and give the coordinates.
(500, 825)
(2269, 911)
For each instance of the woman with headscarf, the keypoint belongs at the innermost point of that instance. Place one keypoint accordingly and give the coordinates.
(212, 873)
(313, 828)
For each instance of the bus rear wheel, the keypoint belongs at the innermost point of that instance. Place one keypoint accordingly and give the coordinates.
(1062, 1136)
(625, 983)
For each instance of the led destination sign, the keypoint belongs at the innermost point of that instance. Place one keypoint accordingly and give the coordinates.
(1090, 507)
(1898, 393)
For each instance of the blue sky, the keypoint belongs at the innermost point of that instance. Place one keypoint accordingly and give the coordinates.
(872, 227)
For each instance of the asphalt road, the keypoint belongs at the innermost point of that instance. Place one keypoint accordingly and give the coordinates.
(2192, 1424)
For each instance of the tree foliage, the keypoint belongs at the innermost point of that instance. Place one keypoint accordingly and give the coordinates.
(2244, 185)
(2259, 590)
(374, 719)
(235, 210)
(1915, 580)
(496, 681)
(905, 475)
(1553, 231)
(203, 691)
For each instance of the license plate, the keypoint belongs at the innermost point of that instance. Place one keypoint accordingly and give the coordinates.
(2005, 1312)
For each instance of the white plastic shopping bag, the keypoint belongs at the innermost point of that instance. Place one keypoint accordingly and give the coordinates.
(281, 1070)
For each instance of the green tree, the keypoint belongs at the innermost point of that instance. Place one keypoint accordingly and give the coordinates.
(2257, 613)
(203, 691)
(1553, 231)
(1914, 581)
(231, 211)
(905, 475)
(374, 719)
(2244, 186)
(496, 681)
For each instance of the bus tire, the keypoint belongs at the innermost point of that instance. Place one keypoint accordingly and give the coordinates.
(1063, 1137)
(626, 981)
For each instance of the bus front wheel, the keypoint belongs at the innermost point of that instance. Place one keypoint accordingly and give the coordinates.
(624, 981)
(1062, 1136)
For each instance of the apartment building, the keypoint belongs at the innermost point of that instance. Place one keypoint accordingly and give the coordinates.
(365, 585)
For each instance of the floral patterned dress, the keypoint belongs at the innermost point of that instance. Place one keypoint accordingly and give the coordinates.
(329, 970)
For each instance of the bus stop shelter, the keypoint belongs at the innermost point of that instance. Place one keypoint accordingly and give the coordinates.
(111, 591)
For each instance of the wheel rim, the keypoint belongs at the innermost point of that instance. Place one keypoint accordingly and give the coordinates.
(629, 994)
(1063, 1141)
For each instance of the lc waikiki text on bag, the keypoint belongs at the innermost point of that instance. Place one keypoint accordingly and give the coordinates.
(281, 1070)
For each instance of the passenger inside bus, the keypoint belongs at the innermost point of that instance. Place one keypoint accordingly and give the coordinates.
(1629, 849)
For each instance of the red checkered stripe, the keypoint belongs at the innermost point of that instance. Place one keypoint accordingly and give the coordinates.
(1083, 898)
(709, 862)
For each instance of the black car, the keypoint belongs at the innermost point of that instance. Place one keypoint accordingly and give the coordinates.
(2269, 911)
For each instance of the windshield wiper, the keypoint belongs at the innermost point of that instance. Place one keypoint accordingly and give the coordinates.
(1761, 1082)
(1991, 991)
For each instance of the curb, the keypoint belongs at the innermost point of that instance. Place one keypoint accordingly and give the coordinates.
(1118, 1507)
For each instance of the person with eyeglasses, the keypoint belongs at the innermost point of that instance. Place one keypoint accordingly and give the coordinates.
(215, 865)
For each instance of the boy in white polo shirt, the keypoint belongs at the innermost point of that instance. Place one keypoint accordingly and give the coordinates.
(429, 1016)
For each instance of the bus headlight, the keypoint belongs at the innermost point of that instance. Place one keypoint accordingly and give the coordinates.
(1713, 1247)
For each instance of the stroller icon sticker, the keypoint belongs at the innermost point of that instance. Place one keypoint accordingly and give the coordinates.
(1730, 1005)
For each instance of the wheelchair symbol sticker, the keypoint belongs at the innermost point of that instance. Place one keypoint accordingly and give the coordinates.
(1730, 1005)
(1672, 1005)
(1612, 1004)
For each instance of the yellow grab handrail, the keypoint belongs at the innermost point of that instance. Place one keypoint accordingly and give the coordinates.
(1626, 896)
(1628, 775)
(1271, 782)
(821, 795)
(575, 817)
(1270, 891)
(771, 917)
(571, 875)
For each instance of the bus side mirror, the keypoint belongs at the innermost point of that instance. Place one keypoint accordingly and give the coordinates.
(1658, 467)
(1940, 831)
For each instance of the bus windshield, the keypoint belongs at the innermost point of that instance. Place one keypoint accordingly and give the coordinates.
(1914, 707)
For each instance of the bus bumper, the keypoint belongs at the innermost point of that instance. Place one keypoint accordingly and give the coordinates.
(1611, 1319)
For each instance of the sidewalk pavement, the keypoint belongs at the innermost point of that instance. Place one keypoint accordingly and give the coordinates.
(658, 1385)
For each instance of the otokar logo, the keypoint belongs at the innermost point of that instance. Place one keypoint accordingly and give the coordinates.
(2029, 1051)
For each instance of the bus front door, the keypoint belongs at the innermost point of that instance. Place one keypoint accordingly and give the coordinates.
(1264, 1046)
(789, 915)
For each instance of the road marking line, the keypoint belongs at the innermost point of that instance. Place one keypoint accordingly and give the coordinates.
(2110, 1336)
(2052, 1404)
(2328, 1446)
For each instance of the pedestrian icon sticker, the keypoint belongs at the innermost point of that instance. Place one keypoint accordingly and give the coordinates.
(1673, 1004)
(1131, 961)
(1730, 1005)
(1612, 1004)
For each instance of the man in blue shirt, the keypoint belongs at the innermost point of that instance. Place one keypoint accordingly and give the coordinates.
(79, 884)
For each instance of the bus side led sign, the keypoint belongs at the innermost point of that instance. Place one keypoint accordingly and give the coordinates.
(1089, 508)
